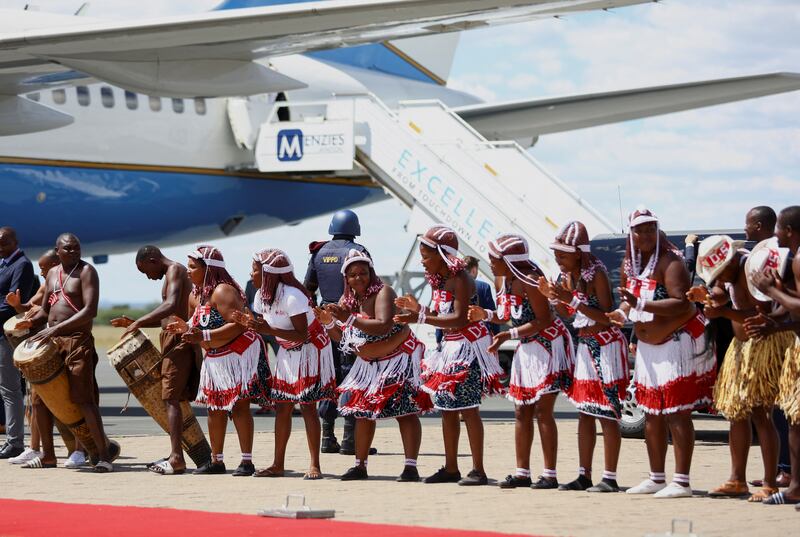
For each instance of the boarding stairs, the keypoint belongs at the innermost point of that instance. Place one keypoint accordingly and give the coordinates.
(426, 156)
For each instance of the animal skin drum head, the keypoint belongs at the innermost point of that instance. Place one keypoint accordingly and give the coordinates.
(8, 326)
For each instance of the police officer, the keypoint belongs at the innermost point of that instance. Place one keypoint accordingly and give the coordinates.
(325, 274)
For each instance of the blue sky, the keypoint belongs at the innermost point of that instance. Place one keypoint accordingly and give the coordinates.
(699, 169)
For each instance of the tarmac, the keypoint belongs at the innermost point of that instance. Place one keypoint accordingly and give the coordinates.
(381, 500)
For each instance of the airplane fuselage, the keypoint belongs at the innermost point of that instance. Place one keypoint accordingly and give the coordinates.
(134, 168)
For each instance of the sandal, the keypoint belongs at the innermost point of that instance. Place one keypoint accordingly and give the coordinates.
(779, 498)
(269, 472)
(165, 468)
(762, 494)
(730, 489)
(156, 463)
(313, 475)
(103, 467)
(36, 462)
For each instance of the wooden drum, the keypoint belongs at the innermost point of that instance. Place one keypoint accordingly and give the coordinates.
(45, 370)
(138, 362)
(15, 337)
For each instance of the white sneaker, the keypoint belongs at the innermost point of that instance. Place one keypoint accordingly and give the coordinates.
(25, 456)
(648, 486)
(76, 460)
(674, 490)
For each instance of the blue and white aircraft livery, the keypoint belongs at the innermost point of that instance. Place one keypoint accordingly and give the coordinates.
(127, 133)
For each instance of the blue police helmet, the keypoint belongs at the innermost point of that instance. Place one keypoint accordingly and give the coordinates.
(345, 222)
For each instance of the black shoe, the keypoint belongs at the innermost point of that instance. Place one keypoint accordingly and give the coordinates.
(347, 449)
(356, 473)
(514, 481)
(606, 485)
(211, 468)
(474, 479)
(245, 469)
(8, 451)
(330, 445)
(580, 483)
(443, 476)
(410, 475)
(545, 483)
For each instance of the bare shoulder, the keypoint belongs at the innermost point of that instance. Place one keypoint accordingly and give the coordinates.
(225, 294)
(176, 270)
(387, 293)
(88, 271)
(671, 262)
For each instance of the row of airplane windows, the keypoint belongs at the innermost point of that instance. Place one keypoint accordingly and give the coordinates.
(131, 100)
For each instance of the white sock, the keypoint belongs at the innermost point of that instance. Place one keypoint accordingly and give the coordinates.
(411, 462)
(247, 456)
(359, 461)
(681, 479)
(583, 471)
(658, 477)
(611, 476)
(219, 457)
(549, 473)
(523, 472)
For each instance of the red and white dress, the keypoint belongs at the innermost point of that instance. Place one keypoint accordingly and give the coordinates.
(304, 371)
(542, 362)
(458, 376)
(601, 375)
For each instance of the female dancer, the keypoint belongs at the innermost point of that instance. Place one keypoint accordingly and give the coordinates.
(304, 372)
(235, 369)
(542, 363)
(464, 370)
(385, 378)
(601, 364)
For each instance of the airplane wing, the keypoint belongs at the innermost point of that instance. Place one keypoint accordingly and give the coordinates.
(529, 119)
(212, 53)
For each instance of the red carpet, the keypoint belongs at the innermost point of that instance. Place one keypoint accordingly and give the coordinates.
(28, 518)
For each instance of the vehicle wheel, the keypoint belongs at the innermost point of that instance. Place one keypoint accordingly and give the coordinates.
(631, 425)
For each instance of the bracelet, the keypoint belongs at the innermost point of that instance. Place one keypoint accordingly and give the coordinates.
(422, 317)
(554, 301)
(330, 325)
(575, 303)
(206, 335)
(514, 333)
(489, 314)
(640, 304)
(350, 320)
(422, 309)
(622, 312)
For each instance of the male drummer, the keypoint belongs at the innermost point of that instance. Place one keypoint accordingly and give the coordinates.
(69, 307)
(180, 373)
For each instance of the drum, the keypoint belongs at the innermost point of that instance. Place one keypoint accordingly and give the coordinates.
(138, 362)
(44, 368)
(15, 337)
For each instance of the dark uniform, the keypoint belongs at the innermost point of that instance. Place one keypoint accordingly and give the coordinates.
(325, 274)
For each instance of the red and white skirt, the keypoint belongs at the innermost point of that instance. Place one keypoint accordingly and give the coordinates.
(239, 370)
(388, 387)
(458, 376)
(304, 372)
(677, 375)
(601, 376)
(542, 364)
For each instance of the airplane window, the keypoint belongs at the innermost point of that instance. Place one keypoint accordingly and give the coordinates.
(131, 100)
(155, 104)
(84, 99)
(200, 106)
(59, 96)
(177, 106)
(107, 96)
(34, 96)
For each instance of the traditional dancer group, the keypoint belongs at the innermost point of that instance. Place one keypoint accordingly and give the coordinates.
(214, 352)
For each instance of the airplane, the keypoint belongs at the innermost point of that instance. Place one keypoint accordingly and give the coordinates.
(132, 132)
